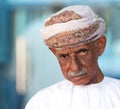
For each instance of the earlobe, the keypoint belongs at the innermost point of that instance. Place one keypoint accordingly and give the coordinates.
(101, 45)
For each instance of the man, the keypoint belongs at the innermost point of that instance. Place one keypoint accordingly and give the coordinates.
(75, 35)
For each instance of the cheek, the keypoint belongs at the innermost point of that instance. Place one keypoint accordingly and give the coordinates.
(90, 62)
(64, 68)
(92, 66)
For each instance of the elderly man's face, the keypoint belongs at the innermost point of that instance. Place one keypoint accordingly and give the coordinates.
(82, 57)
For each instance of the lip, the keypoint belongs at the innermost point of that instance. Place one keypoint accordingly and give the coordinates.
(78, 78)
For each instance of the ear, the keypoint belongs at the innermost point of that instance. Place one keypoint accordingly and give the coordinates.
(53, 50)
(101, 43)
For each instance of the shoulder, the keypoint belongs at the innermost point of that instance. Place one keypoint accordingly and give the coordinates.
(112, 89)
(40, 99)
(111, 83)
(59, 86)
(107, 85)
(112, 80)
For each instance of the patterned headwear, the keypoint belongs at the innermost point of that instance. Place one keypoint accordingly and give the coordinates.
(72, 26)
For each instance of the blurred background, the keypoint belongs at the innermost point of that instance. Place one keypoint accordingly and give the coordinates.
(26, 64)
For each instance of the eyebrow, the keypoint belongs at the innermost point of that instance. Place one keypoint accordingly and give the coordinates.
(77, 51)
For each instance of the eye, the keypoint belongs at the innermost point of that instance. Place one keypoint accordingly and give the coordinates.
(82, 52)
(63, 55)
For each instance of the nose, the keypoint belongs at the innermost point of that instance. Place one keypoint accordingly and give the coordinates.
(75, 64)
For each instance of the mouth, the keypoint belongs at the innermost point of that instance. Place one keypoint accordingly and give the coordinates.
(80, 79)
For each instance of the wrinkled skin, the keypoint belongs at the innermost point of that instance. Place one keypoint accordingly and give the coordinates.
(82, 56)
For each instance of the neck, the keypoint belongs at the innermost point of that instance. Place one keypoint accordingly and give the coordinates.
(97, 78)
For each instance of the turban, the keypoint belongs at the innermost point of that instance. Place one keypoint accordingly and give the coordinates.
(72, 26)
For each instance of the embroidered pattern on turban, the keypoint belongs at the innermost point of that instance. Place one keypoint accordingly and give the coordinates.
(72, 26)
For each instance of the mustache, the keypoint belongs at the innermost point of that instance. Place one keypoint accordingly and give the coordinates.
(73, 74)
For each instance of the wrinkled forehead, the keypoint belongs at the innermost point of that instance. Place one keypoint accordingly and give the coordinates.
(88, 46)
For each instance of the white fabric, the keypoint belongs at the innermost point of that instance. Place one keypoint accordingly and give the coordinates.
(88, 18)
(65, 95)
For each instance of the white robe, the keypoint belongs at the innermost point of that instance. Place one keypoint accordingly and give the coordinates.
(65, 95)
